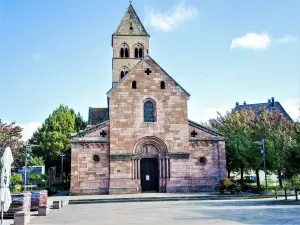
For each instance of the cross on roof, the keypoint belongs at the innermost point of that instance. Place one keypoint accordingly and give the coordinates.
(194, 133)
(103, 133)
(148, 71)
(130, 1)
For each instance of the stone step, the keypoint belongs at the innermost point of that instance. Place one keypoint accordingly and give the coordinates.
(168, 198)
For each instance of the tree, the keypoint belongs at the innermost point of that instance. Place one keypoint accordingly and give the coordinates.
(35, 161)
(10, 135)
(278, 135)
(235, 126)
(293, 161)
(54, 136)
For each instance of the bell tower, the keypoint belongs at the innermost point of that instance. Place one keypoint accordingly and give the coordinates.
(130, 43)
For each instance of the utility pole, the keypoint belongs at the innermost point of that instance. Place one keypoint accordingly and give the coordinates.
(62, 166)
(264, 155)
(26, 156)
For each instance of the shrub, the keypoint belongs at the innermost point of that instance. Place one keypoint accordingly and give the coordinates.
(16, 178)
(227, 182)
(38, 177)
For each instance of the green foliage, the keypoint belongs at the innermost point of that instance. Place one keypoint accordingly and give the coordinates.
(35, 161)
(16, 178)
(227, 182)
(38, 177)
(242, 129)
(292, 183)
(235, 126)
(10, 135)
(54, 136)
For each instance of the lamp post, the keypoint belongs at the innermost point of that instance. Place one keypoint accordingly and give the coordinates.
(27, 154)
(262, 151)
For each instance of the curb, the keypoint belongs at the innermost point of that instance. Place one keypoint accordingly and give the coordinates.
(161, 199)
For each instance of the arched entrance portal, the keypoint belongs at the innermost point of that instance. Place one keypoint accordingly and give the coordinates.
(151, 164)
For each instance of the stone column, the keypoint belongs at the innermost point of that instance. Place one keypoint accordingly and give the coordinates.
(160, 166)
(163, 168)
(138, 168)
(133, 168)
(167, 168)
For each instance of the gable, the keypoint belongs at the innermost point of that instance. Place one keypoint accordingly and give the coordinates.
(131, 24)
(156, 72)
(201, 132)
(98, 133)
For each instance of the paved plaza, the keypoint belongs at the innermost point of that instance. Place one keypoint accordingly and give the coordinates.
(183, 212)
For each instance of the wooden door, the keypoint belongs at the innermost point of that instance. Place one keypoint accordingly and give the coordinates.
(149, 174)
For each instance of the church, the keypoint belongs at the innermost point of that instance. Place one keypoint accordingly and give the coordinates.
(143, 141)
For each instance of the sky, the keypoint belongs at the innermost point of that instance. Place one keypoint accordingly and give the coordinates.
(221, 51)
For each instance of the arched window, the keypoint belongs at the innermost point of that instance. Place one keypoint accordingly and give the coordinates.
(124, 51)
(162, 85)
(149, 111)
(139, 51)
(134, 84)
(123, 71)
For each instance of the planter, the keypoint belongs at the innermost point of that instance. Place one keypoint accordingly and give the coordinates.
(20, 202)
(38, 198)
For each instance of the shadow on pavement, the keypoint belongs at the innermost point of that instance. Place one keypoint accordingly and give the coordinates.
(244, 212)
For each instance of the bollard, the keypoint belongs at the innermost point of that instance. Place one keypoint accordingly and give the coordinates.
(276, 196)
(43, 210)
(285, 195)
(296, 194)
(56, 205)
(21, 218)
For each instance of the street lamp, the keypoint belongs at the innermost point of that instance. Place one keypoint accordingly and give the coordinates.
(262, 143)
(27, 154)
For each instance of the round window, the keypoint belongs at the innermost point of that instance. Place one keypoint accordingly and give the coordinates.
(96, 158)
(203, 160)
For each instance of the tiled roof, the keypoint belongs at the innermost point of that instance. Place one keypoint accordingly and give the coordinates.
(271, 106)
(131, 17)
(98, 115)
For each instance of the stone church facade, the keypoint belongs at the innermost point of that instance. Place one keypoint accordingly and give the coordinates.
(143, 141)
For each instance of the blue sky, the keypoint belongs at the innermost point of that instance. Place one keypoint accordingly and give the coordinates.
(59, 52)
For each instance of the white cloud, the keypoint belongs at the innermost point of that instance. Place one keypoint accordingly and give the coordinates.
(292, 107)
(258, 41)
(287, 39)
(29, 129)
(36, 56)
(252, 40)
(166, 21)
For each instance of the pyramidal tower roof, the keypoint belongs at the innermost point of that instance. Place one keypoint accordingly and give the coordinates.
(131, 24)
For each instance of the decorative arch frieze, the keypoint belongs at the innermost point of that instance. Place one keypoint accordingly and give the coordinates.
(84, 145)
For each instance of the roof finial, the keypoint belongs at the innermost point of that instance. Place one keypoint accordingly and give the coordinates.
(130, 1)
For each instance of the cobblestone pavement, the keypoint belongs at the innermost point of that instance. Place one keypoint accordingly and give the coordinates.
(186, 213)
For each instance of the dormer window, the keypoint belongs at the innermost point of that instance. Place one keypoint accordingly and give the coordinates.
(124, 51)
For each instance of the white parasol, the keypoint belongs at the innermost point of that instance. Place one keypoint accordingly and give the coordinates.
(5, 196)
